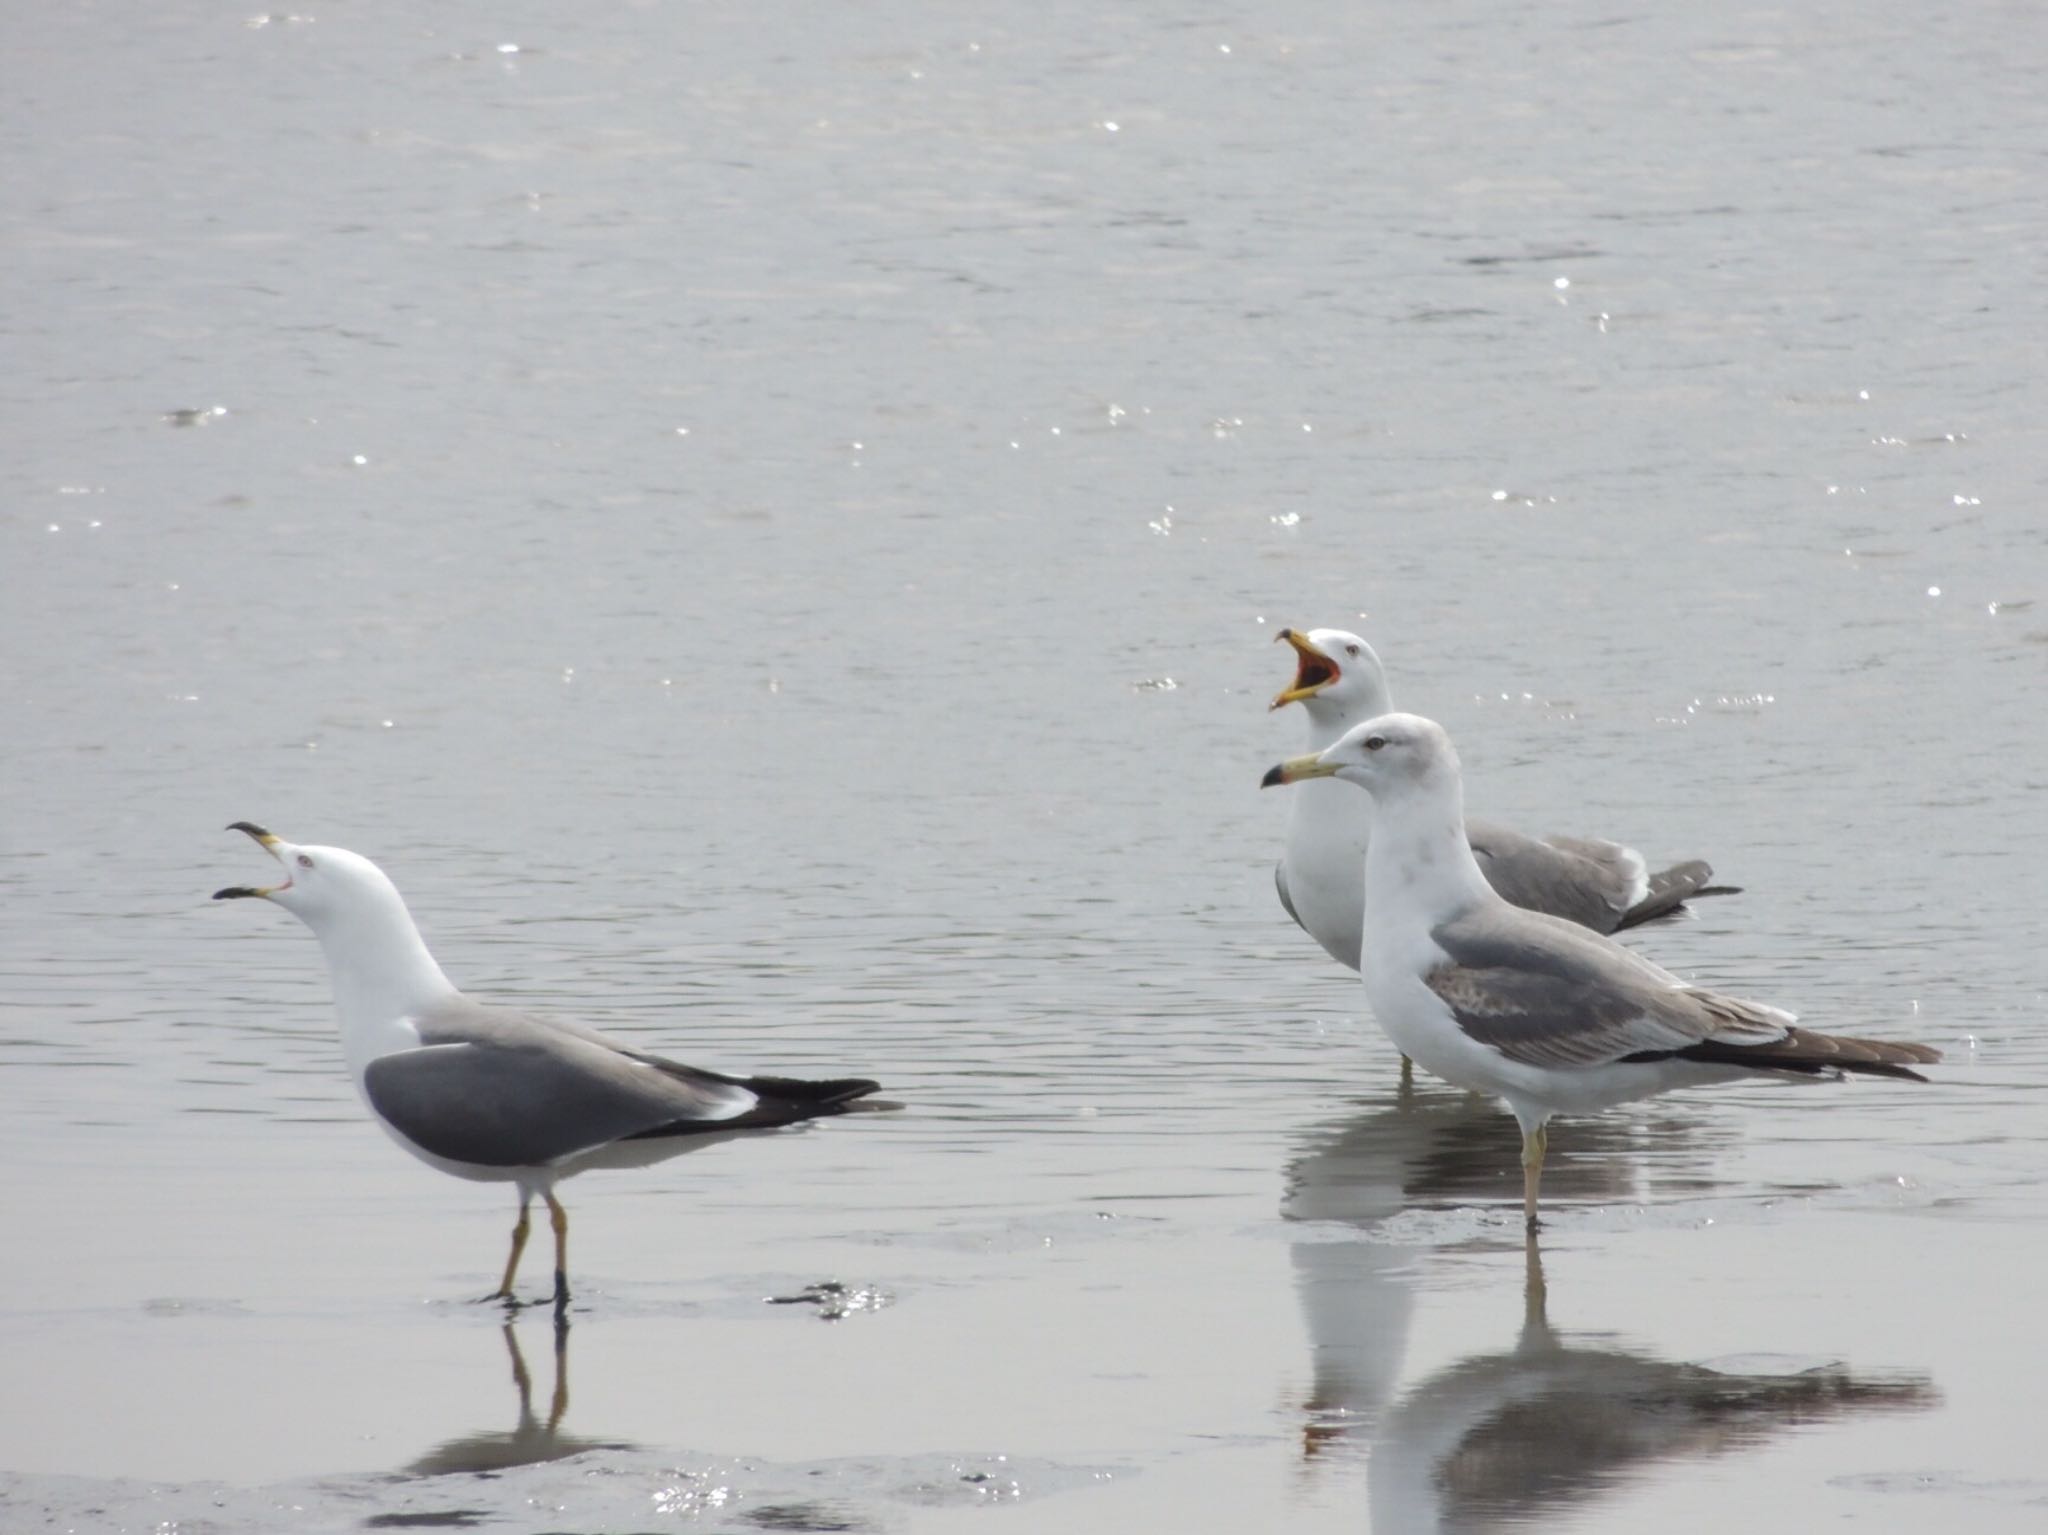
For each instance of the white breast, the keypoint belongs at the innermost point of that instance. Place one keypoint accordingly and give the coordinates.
(366, 1038)
(1416, 1019)
(1329, 827)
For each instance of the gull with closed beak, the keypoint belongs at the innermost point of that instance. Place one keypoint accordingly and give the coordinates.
(1543, 1013)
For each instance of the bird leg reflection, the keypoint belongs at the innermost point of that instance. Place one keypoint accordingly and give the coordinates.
(521, 1381)
(1535, 1293)
(1534, 1144)
(558, 1218)
(558, 1403)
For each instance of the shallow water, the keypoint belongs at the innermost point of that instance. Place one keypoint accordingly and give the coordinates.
(769, 525)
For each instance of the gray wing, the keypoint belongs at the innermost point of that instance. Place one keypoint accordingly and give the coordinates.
(501, 1089)
(1545, 992)
(1582, 879)
(1286, 900)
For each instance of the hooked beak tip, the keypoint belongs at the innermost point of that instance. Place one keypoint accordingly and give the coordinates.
(250, 828)
(1295, 769)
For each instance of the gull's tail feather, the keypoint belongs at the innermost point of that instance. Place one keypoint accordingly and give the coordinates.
(1671, 888)
(1806, 1053)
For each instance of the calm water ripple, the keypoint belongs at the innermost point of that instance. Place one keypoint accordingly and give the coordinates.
(771, 528)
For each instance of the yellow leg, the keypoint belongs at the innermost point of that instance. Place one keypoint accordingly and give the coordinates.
(1534, 1143)
(559, 1219)
(1407, 1076)
(504, 1290)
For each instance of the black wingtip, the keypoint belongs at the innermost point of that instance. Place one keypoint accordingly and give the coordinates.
(872, 1106)
(1802, 1052)
(1671, 888)
(813, 1093)
(836, 1091)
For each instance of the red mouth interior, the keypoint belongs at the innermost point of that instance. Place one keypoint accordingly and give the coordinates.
(1313, 672)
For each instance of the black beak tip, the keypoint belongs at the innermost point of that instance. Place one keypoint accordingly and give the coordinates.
(1274, 777)
(233, 892)
(248, 827)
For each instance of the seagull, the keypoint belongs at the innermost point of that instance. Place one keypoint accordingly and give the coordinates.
(1550, 1016)
(1602, 885)
(491, 1094)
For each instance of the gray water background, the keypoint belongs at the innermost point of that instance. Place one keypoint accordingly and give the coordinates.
(769, 523)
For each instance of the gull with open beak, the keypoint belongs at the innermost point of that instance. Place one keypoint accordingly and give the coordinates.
(495, 1095)
(1339, 684)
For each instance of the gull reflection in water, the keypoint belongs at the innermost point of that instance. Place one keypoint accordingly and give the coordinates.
(529, 1440)
(1522, 1437)
(1418, 1153)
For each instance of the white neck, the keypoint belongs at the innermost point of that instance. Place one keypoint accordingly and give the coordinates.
(383, 978)
(1326, 725)
(1419, 860)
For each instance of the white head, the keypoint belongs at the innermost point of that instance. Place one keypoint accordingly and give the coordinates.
(382, 971)
(1389, 756)
(1337, 678)
(324, 887)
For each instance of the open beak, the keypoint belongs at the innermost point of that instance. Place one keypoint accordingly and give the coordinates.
(1313, 671)
(270, 844)
(1294, 769)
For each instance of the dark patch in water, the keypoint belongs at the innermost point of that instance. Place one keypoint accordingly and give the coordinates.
(803, 1517)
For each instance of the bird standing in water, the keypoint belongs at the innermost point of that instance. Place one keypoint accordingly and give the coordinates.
(1548, 1015)
(496, 1095)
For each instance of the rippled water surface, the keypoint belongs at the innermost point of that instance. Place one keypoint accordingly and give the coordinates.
(768, 522)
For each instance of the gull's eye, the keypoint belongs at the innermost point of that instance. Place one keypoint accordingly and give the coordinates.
(1374, 743)
(305, 862)
(1351, 650)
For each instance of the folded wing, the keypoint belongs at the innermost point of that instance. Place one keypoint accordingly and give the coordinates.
(498, 1088)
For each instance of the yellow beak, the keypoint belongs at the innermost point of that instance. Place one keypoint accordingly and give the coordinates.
(1294, 769)
(1313, 671)
(270, 844)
